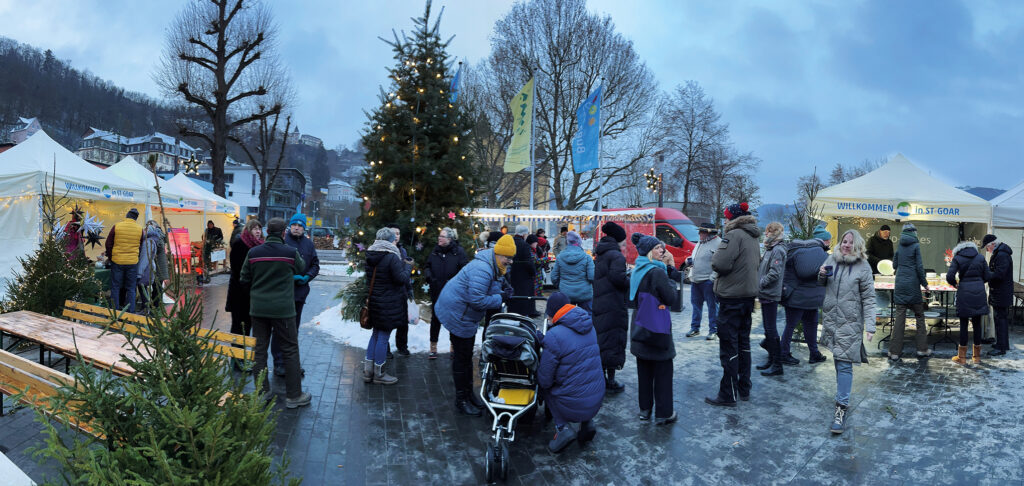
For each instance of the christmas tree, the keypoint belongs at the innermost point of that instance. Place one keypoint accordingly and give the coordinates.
(419, 175)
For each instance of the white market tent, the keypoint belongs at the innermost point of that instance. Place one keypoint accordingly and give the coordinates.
(1008, 222)
(212, 208)
(39, 160)
(902, 191)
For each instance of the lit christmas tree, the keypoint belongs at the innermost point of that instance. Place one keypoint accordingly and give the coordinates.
(419, 174)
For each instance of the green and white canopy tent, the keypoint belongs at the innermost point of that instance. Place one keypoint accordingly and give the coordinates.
(900, 191)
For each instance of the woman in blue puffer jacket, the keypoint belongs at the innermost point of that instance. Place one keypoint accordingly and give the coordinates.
(463, 302)
(574, 273)
(570, 374)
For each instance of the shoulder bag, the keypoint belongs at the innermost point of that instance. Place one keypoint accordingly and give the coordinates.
(364, 312)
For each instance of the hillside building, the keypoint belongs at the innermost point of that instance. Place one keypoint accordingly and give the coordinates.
(25, 128)
(105, 148)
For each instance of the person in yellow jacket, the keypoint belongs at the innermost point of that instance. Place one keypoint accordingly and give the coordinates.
(122, 245)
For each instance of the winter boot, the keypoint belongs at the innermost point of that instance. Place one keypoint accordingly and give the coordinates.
(610, 385)
(775, 370)
(464, 406)
(961, 355)
(474, 398)
(767, 364)
(976, 354)
(368, 370)
(838, 419)
(587, 432)
(774, 357)
(382, 378)
(563, 437)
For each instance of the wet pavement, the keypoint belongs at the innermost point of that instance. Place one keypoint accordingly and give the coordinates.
(914, 422)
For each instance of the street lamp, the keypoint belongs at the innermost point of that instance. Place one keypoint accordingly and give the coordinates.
(655, 182)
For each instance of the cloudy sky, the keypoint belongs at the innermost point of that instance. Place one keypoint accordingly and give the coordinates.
(802, 84)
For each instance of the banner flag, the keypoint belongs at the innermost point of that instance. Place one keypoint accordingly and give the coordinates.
(517, 157)
(585, 145)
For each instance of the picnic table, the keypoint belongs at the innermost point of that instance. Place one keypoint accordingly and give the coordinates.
(943, 296)
(60, 336)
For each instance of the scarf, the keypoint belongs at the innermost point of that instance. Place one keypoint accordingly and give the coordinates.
(770, 243)
(250, 240)
(385, 245)
(643, 265)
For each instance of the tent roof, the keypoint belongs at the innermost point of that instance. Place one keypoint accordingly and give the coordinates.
(133, 171)
(182, 184)
(23, 167)
(901, 190)
(1008, 208)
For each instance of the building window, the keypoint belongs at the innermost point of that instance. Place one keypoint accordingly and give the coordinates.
(230, 193)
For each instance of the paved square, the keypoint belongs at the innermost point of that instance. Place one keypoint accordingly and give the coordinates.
(916, 422)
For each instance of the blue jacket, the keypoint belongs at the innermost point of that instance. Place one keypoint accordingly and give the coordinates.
(308, 252)
(800, 289)
(574, 274)
(570, 369)
(467, 296)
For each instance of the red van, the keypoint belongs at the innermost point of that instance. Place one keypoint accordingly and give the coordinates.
(671, 226)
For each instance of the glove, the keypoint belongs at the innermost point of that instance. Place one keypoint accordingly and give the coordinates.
(301, 279)
(505, 295)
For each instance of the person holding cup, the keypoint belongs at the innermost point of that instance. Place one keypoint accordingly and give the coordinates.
(848, 310)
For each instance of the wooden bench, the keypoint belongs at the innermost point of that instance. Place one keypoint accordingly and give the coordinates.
(35, 383)
(222, 343)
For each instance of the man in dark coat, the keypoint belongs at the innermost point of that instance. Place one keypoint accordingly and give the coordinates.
(910, 277)
(521, 275)
(879, 247)
(268, 271)
(736, 262)
(611, 317)
(296, 238)
(801, 294)
(569, 373)
(1000, 290)
(443, 263)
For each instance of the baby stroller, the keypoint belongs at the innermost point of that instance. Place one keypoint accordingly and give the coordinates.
(511, 354)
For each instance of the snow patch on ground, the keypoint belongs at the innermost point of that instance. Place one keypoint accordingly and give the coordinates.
(339, 271)
(350, 334)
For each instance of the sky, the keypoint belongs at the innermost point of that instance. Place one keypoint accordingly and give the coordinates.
(803, 85)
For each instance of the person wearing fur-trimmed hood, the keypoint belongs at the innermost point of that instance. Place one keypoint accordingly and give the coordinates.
(968, 272)
(846, 313)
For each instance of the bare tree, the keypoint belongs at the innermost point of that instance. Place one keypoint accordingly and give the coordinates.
(693, 139)
(570, 52)
(805, 216)
(842, 173)
(211, 60)
(727, 177)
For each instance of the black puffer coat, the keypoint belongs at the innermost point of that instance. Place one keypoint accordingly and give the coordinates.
(443, 264)
(238, 293)
(910, 275)
(387, 297)
(521, 274)
(611, 319)
(970, 269)
(1000, 286)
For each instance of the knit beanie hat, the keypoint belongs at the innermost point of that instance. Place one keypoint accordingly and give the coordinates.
(987, 239)
(614, 230)
(133, 213)
(494, 236)
(531, 239)
(556, 301)
(644, 243)
(506, 246)
(736, 210)
(886, 227)
(909, 228)
(298, 218)
(822, 234)
(572, 238)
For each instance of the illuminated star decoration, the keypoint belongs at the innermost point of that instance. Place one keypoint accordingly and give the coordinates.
(451, 215)
(191, 165)
(92, 239)
(58, 232)
(91, 228)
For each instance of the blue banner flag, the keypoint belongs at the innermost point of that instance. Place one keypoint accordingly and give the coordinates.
(588, 134)
(454, 88)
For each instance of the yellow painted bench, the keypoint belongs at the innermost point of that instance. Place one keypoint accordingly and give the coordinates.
(223, 343)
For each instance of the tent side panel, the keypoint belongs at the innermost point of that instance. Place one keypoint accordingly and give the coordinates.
(20, 219)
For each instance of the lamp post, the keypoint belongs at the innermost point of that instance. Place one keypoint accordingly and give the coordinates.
(655, 182)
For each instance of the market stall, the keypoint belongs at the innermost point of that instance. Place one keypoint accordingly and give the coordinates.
(900, 191)
(584, 222)
(39, 161)
(181, 210)
(1008, 223)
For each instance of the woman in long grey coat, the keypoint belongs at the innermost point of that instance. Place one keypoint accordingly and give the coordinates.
(848, 310)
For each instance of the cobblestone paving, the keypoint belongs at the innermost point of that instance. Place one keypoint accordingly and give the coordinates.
(915, 422)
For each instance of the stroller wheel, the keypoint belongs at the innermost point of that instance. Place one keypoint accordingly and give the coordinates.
(504, 460)
(489, 469)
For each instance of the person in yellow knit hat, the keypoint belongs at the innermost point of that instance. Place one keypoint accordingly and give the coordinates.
(463, 303)
(122, 245)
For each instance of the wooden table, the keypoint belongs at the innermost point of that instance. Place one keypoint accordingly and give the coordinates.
(943, 292)
(58, 335)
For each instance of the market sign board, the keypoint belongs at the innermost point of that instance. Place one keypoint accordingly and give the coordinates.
(895, 210)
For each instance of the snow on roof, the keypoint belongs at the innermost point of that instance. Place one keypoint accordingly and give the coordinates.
(160, 137)
(25, 123)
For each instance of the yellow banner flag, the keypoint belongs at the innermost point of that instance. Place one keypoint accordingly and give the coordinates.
(517, 157)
